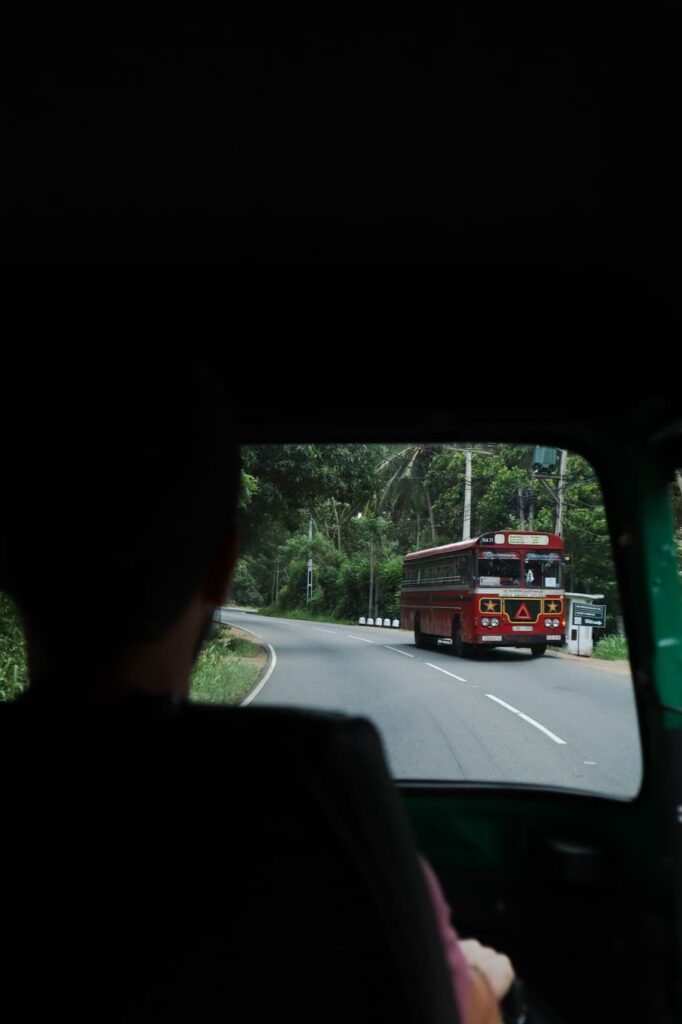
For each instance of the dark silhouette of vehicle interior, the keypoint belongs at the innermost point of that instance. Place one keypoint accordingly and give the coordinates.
(422, 235)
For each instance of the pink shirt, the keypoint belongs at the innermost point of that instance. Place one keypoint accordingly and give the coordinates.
(459, 972)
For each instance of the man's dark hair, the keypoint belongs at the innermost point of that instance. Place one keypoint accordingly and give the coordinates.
(121, 489)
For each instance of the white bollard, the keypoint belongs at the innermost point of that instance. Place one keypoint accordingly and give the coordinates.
(361, 620)
(396, 623)
(377, 622)
(370, 622)
(387, 622)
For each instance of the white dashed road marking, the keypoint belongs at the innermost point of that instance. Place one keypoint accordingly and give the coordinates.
(531, 721)
(452, 674)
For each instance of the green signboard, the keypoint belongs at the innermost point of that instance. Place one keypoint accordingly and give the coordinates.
(589, 615)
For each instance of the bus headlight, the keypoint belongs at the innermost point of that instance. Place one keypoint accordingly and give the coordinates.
(555, 623)
(548, 623)
(494, 623)
(485, 622)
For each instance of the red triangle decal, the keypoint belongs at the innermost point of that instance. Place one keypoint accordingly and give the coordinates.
(522, 613)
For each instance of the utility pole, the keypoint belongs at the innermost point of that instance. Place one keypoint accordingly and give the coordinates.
(338, 524)
(466, 530)
(309, 583)
(371, 575)
(544, 464)
(522, 516)
(559, 521)
(469, 452)
(275, 582)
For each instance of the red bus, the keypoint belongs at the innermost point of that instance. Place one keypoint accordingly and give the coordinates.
(502, 589)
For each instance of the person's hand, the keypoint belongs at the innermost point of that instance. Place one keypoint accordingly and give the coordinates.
(496, 967)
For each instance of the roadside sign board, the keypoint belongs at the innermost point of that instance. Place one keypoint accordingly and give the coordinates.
(589, 615)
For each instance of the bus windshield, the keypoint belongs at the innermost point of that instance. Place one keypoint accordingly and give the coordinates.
(542, 569)
(499, 569)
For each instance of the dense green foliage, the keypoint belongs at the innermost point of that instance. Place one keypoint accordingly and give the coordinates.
(357, 509)
(12, 651)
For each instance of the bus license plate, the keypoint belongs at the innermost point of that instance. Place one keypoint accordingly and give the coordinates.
(496, 639)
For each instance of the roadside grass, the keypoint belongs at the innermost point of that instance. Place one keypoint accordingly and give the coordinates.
(226, 669)
(611, 648)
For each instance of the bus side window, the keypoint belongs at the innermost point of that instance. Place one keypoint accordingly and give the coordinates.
(465, 569)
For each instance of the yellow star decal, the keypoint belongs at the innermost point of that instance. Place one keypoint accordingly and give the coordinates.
(490, 606)
(552, 606)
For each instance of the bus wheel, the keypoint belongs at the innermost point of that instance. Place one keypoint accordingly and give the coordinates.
(459, 647)
(538, 651)
(419, 640)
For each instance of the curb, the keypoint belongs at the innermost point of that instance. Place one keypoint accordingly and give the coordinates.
(264, 673)
(621, 666)
(267, 650)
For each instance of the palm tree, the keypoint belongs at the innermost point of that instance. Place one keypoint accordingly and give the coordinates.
(405, 472)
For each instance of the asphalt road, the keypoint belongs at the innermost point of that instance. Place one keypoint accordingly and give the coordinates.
(502, 718)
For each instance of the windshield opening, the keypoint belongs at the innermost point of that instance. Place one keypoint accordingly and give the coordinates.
(499, 569)
(543, 569)
(485, 646)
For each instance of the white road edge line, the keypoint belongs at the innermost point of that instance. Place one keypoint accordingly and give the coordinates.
(452, 674)
(263, 680)
(363, 638)
(526, 718)
(224, 622)
(389, 648)
(318, 630)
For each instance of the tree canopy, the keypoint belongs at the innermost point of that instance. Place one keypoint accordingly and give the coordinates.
(366, 506)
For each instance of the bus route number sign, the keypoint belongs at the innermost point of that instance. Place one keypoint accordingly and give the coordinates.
(589, 615)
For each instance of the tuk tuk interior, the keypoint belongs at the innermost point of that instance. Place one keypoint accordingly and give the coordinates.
(476, 308)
